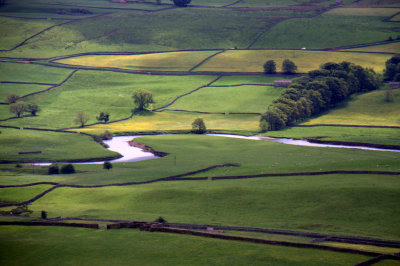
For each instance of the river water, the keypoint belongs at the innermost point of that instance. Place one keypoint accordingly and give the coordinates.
(132, 154)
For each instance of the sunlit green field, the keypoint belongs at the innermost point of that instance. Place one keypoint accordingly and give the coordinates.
(365, 109)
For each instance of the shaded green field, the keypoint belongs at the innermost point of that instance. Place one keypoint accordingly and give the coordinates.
(75, 246)
(385, 136)
(14, 31)
(53, 146)
(364, 109)
(327, 31)
(21, 194)
(387, 48)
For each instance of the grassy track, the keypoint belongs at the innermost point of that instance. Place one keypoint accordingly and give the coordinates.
(354, 112)
(84, 246)
(54, 146)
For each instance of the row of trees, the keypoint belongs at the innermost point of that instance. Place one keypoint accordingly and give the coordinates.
(288, 67)
(19, 107)
(317, 91)
(392, 70)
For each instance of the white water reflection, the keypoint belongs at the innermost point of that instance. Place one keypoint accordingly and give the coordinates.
(129, 153)
(302, 142)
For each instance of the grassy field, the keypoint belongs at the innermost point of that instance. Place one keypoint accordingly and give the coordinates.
(386, 48)
(90, 92)
(230, 99)
(364, 12)
(326, 31)
(29, 246)
(18, 89)
(385, 136)
(175, 61)
(53, 146)
(347, 204)
(253, 61)
(379, 112)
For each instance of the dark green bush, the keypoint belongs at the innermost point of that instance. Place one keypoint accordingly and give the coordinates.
(53, 169)
(67, 169)
(107, 165)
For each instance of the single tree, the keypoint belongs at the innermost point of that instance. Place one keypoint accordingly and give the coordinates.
(181, 3)
(107, 165)
(44, 215)
(103, 116)
(270, 67)
(67, 169)
(288, 67)
(12, 98)
(392, 67)
(18, 108)
(142, 99)
(32, 108)
(53, 169)
(198, 126)
(81, 118)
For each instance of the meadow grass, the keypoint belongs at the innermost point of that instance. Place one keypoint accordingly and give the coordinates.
(364, 109)
(32, 73)
(376, 3)
(94, 92)
(14, 31)
(363, 12)
(175, 61)
(20, 194)
(245, 99)
(345, 204)
(253, 61)
(77, 246)
(181, 28)
(371, 248)
(170, 120)
(326, 31)
(385, 136)
(386, 48)
(190, 152)
(53, 146)
(18, 89)
(256, 79)
(396, 18)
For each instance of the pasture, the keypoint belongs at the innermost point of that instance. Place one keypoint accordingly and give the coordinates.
(202, 61)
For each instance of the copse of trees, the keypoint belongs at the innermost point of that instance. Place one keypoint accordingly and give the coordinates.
(317, 91)
(392, 70)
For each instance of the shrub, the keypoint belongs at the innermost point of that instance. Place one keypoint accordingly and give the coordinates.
(160, 220)
(107, 165)
(53, 169)
(44, 215)
(18, 165)
(67, 169)
(181, 3)
(106, 135)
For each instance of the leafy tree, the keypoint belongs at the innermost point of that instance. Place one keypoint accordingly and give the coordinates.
(198, 126)
(53, 169)
(81, 118)
(32, 108)
(43, 215)
(181, 3)
(270, 67)
(392, 67)
(275, 119)
(142, 99)
(12, 98)
(67, 169)
(288, 67)
(103, 116)
(18, 108)
(107, 165)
